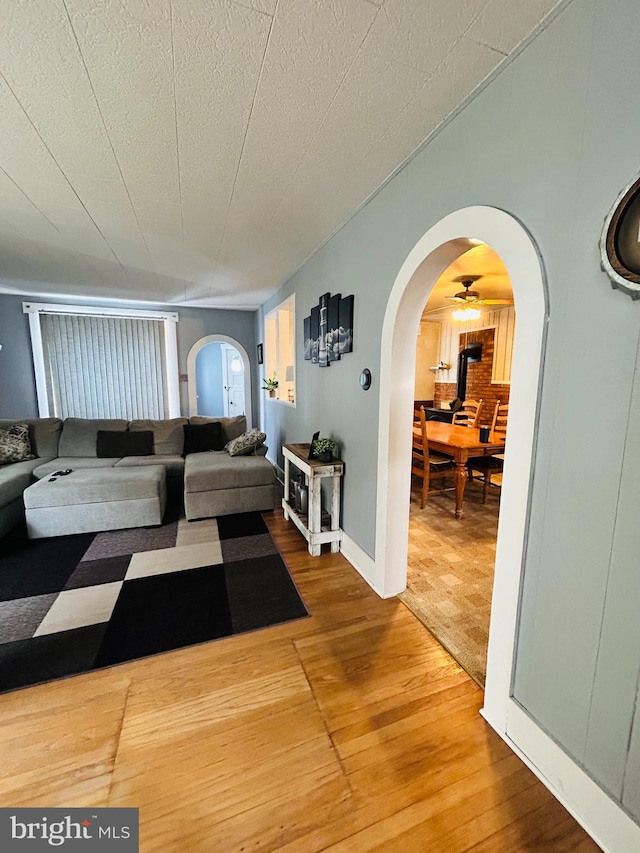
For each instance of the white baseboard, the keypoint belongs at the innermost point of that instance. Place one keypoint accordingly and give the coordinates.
(600, 816)
(360, 560)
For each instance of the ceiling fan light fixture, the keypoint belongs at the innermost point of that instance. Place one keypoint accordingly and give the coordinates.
(465, 314)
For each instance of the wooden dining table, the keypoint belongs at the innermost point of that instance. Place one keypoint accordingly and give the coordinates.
(461, 443)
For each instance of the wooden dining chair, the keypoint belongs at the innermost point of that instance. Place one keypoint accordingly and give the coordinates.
(424, 464)
(468, 414)
(487, 466)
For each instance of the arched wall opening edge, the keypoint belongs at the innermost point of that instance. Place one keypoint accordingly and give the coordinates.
(191, 372)
(433, 253)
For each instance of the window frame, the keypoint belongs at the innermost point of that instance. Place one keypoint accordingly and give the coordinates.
(170, 323)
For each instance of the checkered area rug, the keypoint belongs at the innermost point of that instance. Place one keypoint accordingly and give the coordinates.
(72, 604)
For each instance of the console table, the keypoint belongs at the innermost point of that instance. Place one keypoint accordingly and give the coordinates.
(314, 472)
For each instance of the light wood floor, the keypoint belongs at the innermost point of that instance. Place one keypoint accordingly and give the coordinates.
(450, 571)
(349, 731)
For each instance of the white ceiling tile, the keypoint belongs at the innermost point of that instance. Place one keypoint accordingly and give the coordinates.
(422, 32)
(266, 6)
(312, 47)
(41, 63)
(439, 96)
(137, 133)
(130, 65)
(436, 99)
(22, 219)
(500, 28)
(130, 250)
(26, 160)
(371, 99)
(44, 261)
(19, 261)
(219, 48)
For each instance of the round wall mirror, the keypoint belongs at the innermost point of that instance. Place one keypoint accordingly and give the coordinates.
(620, 241)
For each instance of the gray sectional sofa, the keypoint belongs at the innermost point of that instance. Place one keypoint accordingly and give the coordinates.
(214, 483)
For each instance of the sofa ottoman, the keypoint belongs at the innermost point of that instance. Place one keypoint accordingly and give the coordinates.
(90, 500)
(218, 484)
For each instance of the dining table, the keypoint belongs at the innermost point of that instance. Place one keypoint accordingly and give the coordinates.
(460, 443)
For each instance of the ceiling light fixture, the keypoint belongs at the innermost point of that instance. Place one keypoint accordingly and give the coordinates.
(464, 314)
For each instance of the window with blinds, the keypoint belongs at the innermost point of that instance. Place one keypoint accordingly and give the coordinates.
(103, 366)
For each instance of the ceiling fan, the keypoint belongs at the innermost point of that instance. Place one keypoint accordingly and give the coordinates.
(468, 298)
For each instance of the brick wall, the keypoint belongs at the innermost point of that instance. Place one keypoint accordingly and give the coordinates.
(444, 391)
(478, 377)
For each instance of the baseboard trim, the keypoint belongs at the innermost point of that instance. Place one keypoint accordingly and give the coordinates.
(600, 816)
(360, 560)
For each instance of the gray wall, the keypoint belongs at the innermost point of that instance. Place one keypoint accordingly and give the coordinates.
(209, 380)
(552, 140)
(17, 380)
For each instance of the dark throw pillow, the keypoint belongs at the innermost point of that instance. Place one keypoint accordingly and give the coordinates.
(199, 438)
(112, 443)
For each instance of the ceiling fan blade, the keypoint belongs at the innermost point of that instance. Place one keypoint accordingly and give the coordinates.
(436, 310)
(495, 301)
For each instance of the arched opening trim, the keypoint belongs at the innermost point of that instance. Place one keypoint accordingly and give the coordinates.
(433, 253)
(191, 372)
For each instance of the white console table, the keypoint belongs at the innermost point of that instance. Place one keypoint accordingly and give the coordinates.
(314, 471)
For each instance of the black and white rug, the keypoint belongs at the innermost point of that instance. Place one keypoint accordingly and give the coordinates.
(72, 604)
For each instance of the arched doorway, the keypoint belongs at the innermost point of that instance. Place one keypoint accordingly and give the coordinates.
(433, 253)
(191, 371)
(462, 351)
(220, 381)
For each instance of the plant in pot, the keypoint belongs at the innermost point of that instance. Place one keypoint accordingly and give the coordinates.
(270, 384)
(324, 449)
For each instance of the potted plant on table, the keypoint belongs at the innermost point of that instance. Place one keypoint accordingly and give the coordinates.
(324, 449)
(270, 384)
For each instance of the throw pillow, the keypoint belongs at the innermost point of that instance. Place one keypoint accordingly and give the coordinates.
(114, 443)
(246, 443)
(200, 438)
(15, 445)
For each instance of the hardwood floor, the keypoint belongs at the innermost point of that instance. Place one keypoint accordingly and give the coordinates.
(349, 731)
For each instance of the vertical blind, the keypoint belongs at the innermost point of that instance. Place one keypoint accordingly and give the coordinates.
(104, 367)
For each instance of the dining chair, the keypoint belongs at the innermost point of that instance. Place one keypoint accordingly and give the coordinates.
(487, 466)
(468, 414)
(424, 464)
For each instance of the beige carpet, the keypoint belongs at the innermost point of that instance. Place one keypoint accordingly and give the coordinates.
(450, 572)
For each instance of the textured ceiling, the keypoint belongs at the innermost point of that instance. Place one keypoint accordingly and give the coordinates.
(198, 151)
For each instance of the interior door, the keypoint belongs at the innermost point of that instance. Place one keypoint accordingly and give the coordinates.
(233, 379)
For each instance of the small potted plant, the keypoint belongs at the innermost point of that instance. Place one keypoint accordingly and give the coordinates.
(324, 449)
(270, 384)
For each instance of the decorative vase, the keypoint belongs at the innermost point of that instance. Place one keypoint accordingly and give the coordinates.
(302, 498)
(326, 456)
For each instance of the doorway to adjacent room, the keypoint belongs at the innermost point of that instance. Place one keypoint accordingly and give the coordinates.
(219, 374)
(463, 351)
(443, 244)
